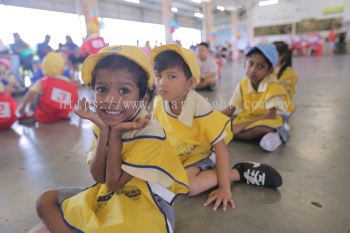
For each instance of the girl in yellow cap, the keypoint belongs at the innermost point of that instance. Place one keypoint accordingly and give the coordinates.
(198, 133)
(259, 97)
(284, 71)
(137, 172)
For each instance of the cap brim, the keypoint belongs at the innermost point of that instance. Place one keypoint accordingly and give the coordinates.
(91, 61)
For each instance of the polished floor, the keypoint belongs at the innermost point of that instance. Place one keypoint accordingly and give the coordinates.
(314, 163)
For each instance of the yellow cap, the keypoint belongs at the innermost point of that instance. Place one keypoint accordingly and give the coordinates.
(132, 53)
(53, 64)
(188, 55)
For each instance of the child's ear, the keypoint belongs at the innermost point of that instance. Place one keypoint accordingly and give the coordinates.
(192, 82)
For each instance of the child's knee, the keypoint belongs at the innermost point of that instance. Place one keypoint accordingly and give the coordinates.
(46, 199)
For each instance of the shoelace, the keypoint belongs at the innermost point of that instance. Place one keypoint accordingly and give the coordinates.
(254, 177)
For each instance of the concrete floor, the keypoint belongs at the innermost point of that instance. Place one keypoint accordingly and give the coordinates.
(314, 164)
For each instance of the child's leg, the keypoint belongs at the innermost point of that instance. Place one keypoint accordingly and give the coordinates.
(201, 181)
(254, 133)
(48, 210)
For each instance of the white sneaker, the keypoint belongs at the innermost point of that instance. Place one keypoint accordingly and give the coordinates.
(271, 141)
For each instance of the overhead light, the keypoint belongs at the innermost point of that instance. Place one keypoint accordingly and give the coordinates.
(198, 15)
(268, 2)
(133, 1)
(174, 9)
(197, 1)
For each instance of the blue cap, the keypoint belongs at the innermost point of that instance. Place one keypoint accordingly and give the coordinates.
(269, 51)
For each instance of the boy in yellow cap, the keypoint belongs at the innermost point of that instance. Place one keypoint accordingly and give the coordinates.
(57, 94)
(198, 133)
(137, 172)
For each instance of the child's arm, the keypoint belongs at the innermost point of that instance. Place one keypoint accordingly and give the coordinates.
(98, 164)
(28, 99)
(223, 192)
(229, 111)
(115, 177)
(237, 128)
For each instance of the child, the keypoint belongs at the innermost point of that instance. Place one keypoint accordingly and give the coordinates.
(284, 72)
(57, 94)
(259, 96)
(7, 78)
(137, 172)
(198, 132)
(8, 106)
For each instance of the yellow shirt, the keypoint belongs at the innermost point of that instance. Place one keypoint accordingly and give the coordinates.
(194, 132)
(289, 77)
(252, 103)
(150, 159)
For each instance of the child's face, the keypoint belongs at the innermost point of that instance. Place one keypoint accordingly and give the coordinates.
(172, 84)
(203, 52)
(257, 68)
(115, 91)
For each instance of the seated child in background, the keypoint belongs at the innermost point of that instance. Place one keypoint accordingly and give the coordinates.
(284, 71)
(8, 106)
(39, 74)
(57, 94)
(197, 132)
(7, 78)
(137, 172)
(259, 97)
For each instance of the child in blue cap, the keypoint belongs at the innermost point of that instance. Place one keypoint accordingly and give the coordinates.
(258, 99)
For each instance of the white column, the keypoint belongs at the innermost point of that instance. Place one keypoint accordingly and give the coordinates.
(234, 29)
(166, 19)
(89, 9)
(249, 23)
(207, 22)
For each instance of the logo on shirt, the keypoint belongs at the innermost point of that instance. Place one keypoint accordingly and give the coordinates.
(5, 110)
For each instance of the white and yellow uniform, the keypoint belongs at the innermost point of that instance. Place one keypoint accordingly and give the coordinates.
(157, 173)
(252, 103)
(290, 77)
(194, 132)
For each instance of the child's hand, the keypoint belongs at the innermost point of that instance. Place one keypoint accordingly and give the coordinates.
(84, 112)
(133, 125)
(219, 196)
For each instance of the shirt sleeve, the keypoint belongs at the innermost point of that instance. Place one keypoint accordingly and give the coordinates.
(236, 99)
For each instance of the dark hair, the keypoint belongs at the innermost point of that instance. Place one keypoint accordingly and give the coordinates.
(257, 51)
(283, 49)
(117, 62)
(169, 59)
(205, 44)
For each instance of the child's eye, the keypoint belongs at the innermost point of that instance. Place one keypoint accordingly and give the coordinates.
(124, 90)
(260, 66)
(172, 76)
(101, 89)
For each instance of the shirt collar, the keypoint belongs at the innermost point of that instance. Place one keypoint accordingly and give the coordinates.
(263, 84)
(193, 105)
